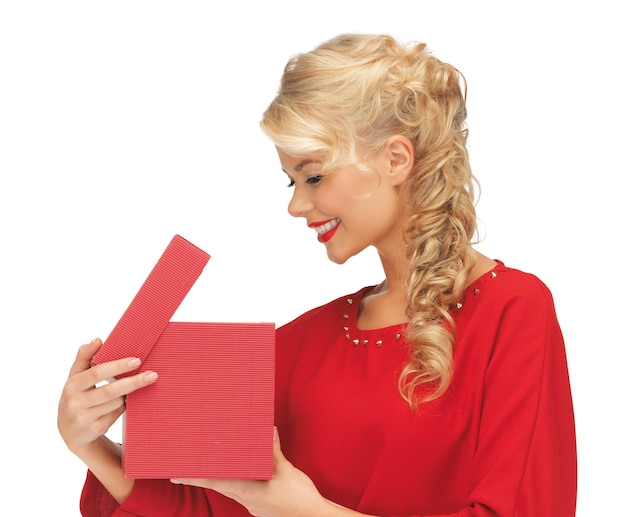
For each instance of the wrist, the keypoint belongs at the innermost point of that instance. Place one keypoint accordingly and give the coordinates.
(103, 458)
(102, 446)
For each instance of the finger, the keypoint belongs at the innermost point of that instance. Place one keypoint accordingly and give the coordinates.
(80, 420)
(203, 483)
(279, 457)
(122, 387)
(87, 379)
(228, 487)
(96, 421)
(104, 421)
(83, 357)
(112, 369)
(115, 405)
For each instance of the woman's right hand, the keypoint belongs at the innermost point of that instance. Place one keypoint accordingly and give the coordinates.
(86, 412)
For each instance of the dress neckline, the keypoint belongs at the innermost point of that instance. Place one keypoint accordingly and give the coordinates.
(357, 335)
(365, 338)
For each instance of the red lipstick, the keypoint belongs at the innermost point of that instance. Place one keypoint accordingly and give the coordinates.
(325, 229)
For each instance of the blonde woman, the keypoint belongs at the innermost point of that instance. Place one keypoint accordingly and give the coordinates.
(441, 391)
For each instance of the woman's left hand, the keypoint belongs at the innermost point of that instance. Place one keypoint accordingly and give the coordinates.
(290, 492)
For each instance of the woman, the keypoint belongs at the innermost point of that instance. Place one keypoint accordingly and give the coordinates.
(443, 390)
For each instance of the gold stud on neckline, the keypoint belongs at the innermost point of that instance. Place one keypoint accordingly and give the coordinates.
(494, 274)
(349, 300)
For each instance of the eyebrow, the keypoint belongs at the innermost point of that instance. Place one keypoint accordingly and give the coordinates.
(303, 164)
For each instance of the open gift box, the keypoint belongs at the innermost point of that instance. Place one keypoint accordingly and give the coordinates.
(211, 412)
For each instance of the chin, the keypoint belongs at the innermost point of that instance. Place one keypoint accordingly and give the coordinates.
(338, 261)
(339, 258)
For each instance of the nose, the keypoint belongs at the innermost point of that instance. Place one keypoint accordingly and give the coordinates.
(300, 203)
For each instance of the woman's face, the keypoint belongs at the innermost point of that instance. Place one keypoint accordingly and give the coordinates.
(349, 209)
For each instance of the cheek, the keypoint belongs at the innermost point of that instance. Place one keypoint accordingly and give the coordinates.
(334, 200)
(353, 192)
(380, 212)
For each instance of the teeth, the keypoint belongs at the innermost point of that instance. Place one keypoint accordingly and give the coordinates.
(328, 226)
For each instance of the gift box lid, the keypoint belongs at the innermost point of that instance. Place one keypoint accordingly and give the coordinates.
(155, 303)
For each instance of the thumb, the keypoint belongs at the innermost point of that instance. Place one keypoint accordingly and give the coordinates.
(278, 453)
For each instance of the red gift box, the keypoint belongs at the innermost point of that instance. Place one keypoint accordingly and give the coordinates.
(211, 412)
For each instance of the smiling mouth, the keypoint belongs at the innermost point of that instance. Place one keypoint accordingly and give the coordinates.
(325, 229)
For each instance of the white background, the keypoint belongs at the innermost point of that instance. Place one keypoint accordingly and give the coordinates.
(123, 123)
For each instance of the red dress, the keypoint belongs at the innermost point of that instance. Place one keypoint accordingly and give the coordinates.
(500, 442)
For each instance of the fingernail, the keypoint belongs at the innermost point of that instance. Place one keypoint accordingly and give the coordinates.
(150, 376)
(275, 434)
(134, 362)
(93, 341)
(175, 481)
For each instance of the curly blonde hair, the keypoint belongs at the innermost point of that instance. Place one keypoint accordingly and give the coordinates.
(346, 98)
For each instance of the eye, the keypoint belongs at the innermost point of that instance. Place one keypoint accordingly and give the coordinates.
(314, 179)
(291, 183)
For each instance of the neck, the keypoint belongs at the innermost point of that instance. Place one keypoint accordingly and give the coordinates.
(396, 274)
(385, 304)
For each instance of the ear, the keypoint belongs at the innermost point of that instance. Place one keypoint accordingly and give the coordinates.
(401, 155)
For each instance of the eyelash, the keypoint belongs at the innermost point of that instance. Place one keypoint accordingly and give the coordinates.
(313, 180)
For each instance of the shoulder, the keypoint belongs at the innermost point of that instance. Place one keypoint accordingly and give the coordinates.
(504, 284)
(320, 317)
(510, 305)
(508, 317)
(507, 299)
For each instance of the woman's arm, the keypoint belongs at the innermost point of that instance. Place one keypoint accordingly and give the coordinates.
(86, 412)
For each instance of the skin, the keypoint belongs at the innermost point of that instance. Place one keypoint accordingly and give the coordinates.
(86, 413)
(371, 213)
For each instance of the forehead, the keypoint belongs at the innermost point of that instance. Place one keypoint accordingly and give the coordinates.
(297, 162)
